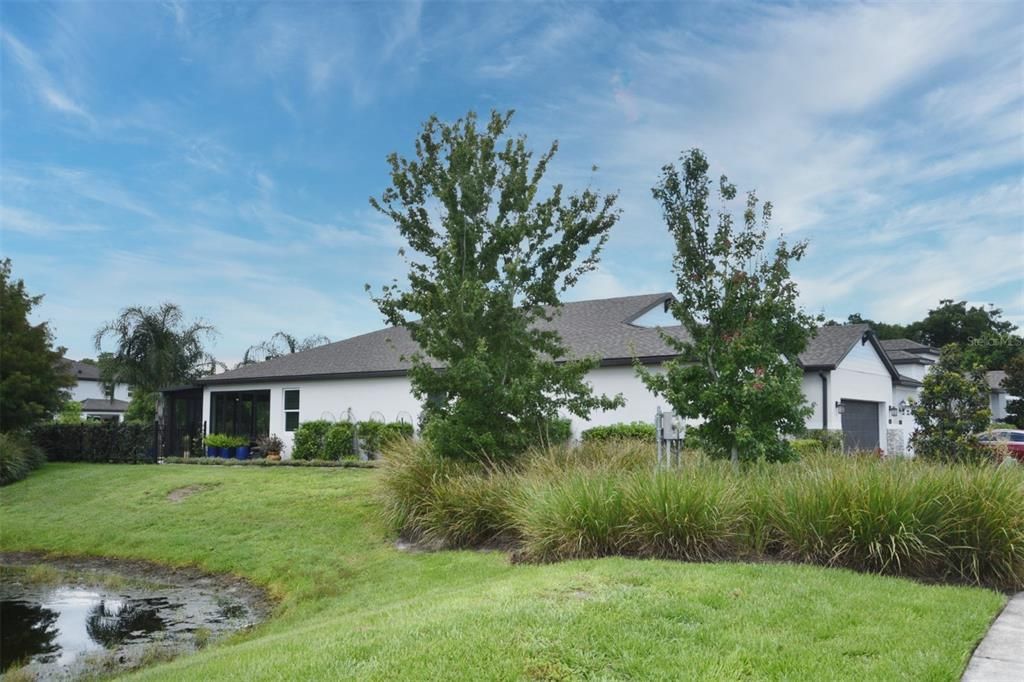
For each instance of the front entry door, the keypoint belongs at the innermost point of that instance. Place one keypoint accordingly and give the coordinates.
(860, 425)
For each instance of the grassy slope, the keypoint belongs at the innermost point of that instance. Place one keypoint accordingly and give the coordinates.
(353, 606)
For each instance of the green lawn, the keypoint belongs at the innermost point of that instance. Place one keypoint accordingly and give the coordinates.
(352, 606)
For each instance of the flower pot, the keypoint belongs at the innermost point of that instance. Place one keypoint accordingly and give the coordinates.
(212, 451)
(242, 452)
(225, 453)
(274, 456)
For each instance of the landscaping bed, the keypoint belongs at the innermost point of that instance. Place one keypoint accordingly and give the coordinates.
(351, 606)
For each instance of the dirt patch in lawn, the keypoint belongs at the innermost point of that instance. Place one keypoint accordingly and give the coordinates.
(179, 494)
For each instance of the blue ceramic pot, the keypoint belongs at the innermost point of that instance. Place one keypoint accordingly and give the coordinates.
(242, 452)
(225, 453)
(211, 451)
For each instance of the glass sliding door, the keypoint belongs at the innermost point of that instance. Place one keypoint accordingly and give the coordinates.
(240, 413)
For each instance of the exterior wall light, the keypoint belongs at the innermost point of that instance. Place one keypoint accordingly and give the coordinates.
(840, 408)
(894, 411)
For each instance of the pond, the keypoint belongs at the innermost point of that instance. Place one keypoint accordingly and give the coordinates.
(72, 623)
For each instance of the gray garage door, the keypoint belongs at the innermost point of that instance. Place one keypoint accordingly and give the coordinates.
(860, 425)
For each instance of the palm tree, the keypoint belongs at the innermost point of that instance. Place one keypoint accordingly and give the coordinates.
(154, 348)
(281, 343)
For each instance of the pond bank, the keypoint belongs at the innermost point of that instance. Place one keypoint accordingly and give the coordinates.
(72, 617)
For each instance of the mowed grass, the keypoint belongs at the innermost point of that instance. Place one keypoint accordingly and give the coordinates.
(352, 606)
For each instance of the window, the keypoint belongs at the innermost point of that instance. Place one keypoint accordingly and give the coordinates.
(291, 409)
(240, 413)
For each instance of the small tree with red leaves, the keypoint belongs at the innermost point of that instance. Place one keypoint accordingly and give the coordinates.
(737, 367)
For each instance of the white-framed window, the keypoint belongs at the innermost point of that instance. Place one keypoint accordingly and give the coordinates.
(291, 409)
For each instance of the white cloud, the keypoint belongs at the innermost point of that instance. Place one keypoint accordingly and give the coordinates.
(41, 80)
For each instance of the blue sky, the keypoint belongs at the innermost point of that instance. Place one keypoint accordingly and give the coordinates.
(221, 156)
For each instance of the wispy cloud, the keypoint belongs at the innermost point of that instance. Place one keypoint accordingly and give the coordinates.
(41, 80)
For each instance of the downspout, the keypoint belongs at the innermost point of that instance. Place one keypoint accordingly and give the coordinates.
(824, 400)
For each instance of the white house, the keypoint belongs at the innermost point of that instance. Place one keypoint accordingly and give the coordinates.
(88, 390)
(850, 380)
(998, 396)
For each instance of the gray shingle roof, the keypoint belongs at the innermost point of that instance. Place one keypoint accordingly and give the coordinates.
(82, 371)
(596, 328)
(905, 351)
(103, 405)
(995, 380)
(831, 344)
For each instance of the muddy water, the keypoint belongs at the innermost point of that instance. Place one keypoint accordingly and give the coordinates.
(65, 630)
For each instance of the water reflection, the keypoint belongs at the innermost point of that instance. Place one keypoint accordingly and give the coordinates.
(26, 630)
(112, 622)
(71, 621)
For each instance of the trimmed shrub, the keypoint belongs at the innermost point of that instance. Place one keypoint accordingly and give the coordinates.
(632, 431)
(309, 439)
(92, 441)
(338, 443)
(378, 435)
(804, 447)
(18, 458)
(830, 441)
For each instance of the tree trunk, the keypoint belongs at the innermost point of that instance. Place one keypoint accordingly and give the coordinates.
(734, 457)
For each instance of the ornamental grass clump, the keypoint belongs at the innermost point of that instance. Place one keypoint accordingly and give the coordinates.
(580, 515)
(693, 514)
(436, 499)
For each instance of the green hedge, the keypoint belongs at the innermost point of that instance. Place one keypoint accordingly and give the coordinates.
(332, 441)
(259, 462)
(96, 442)
(18, 458)
(623, 431)
(829, 439)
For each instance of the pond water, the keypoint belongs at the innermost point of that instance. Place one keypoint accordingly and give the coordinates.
(63, 631)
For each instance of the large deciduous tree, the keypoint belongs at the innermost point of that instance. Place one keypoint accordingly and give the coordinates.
(33, 374)
(153, 348)
(489, 255)
(737, 366)
(952, 410)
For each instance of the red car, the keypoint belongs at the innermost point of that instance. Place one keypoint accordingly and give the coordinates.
(1011, 439)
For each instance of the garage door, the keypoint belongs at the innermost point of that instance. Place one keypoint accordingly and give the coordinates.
(860, 425)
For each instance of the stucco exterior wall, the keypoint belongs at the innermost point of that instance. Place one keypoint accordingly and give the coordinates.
(812, 392)
(861, 376)
(86, 389)
(328, 398)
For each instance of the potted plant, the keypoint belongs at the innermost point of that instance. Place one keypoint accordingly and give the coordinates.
(241, 445)
(215, 442)
(271, 447)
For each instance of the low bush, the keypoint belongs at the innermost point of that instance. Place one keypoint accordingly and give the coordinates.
(92, 441)
(18, 458)
(320, 439)
(339, 442)
(632, 431)
(807, 446)
(956, 523)
(830, 440)
(260, 462)
(309, 438)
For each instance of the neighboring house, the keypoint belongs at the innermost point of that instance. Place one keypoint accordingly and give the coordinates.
(88, 390)
(998, 397)
(849, 379)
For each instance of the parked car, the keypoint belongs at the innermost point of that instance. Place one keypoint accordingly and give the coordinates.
(1011, 439)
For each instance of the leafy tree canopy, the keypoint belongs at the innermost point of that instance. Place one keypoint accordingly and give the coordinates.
(281, 343)
(489, 256)
(952, 410)
(983, 335)
(153, 348)
(737, 302)
(33, 374)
